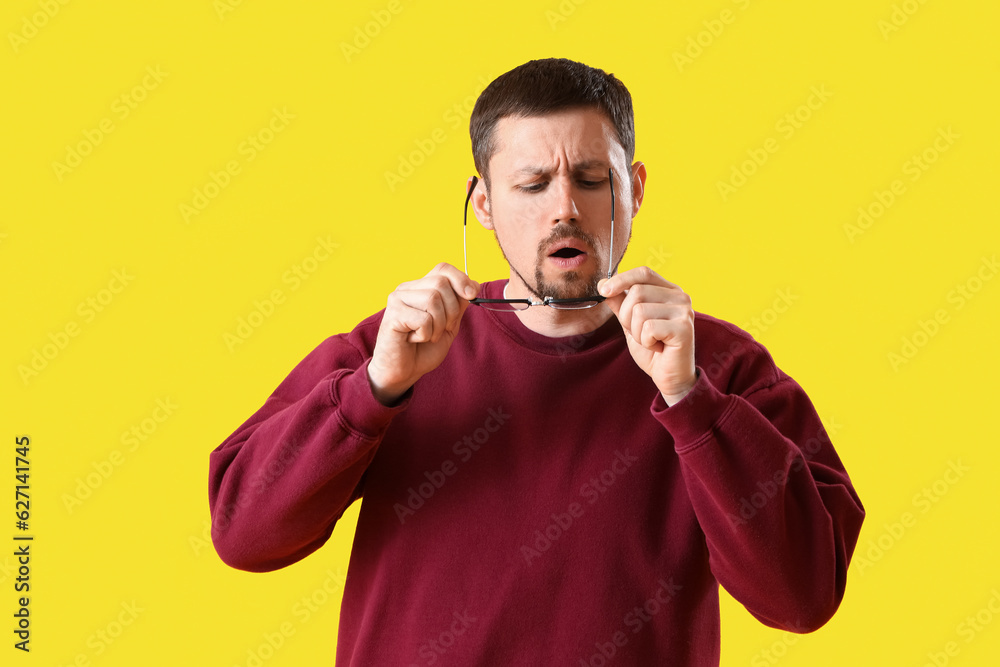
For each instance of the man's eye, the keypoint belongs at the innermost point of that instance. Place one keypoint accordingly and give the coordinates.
(534, 187)
(591, 184)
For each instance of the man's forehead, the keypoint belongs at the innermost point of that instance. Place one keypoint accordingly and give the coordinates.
(534, 144)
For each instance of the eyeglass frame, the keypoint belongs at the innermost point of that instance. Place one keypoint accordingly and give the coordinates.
(548, 300)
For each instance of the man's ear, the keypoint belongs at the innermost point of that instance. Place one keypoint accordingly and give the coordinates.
(481, 204)
(638, 186)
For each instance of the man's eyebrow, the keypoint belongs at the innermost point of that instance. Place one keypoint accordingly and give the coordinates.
(578, 167)
(591, 164)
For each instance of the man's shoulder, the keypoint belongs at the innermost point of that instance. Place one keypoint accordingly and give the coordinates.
(355, 345)
(719, 329)
(731, 355)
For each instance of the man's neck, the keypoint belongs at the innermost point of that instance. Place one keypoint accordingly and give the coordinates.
(554, 322)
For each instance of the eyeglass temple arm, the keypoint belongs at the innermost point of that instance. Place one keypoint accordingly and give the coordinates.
(465, 221)
(611, 252)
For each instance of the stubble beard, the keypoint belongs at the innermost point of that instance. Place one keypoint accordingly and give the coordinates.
(571, 284)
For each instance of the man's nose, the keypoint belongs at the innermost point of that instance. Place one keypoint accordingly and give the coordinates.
(564, 203)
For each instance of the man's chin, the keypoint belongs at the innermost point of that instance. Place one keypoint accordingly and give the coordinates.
(568, 285)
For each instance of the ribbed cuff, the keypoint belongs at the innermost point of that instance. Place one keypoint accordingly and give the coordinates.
(691, 419)
(360, 410)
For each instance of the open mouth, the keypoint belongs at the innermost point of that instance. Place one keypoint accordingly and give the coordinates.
(568, 258)
(566, 253)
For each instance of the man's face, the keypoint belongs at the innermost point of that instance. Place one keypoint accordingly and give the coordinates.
(550, 201)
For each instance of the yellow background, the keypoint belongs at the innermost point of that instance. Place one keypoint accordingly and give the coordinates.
(139, 537)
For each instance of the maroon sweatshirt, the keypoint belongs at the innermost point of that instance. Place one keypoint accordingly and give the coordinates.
(533, 500)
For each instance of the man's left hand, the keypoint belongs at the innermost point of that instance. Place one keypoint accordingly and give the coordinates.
(658, 321)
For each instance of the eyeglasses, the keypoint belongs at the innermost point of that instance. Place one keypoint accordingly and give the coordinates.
(509, 305)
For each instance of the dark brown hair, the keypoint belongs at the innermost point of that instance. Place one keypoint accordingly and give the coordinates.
(544, 86)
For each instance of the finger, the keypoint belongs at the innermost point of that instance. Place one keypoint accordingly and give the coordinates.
(415, 324)
(463, 285)
(641, 275)
(656, 334)
(442, 296)
(644, 312)
(436, 294)
(615, 303)
(651, 295)
(417, 312)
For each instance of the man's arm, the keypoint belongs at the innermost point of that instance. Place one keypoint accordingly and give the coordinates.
(780, 515)
(278, 485)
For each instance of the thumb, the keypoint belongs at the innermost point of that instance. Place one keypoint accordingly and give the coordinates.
(614, 302)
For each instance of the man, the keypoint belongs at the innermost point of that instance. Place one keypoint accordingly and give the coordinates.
(555, 485)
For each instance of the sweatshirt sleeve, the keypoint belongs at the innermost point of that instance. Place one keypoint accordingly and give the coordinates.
(278, 485)
(778, 510)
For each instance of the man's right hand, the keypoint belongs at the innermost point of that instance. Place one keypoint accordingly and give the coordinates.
(421, 320)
